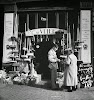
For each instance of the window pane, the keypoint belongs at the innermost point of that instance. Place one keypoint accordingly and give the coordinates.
(22, 21)
(73, 20)
(51, 20)
(42, 20)
(62, 20)
(32, 21)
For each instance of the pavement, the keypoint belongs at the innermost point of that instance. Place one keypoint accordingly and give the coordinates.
(42, 91)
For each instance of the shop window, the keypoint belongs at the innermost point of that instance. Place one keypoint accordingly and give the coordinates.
(62, 20)
(73, 22)
(42, 20)
(51, 20)
(71, 18)
(31, 21)
(22, 21)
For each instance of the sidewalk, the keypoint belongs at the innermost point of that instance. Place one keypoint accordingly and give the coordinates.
(42, 92)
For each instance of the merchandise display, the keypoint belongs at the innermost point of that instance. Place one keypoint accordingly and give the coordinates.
(85, 75)
(23, 58)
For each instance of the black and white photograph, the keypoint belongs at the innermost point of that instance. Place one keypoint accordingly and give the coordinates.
(47, 50)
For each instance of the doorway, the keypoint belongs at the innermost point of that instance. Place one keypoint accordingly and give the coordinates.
(41, 54)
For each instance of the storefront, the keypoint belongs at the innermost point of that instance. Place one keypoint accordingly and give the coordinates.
(34, 24)
(44, 21)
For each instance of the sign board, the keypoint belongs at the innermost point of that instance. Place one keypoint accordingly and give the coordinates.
(85, 29)
(43, 31)
(8, 32)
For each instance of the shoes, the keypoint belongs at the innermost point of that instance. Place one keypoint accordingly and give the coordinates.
(74, 89)
(69, 90)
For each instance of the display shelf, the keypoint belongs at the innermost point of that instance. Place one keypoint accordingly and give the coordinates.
(12, 46)
(78, 47)
(12, 61)
(27, 60)
(24, 56)
(14, 52)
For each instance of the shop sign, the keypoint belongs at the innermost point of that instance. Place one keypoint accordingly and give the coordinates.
(43, 31)
(85, 29)
(8, 32)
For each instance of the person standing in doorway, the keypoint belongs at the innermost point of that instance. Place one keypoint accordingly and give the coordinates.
(70, 74)
(53, 65)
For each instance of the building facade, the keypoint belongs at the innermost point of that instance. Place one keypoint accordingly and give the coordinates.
(45, 15)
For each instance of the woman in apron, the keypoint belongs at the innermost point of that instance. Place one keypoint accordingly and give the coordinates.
(70, 74)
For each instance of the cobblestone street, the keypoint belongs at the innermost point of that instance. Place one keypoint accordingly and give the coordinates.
(42, 92)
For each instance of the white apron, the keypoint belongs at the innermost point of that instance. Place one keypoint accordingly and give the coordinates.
(70, 74)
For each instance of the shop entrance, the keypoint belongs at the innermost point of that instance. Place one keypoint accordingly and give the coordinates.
(41, 54)
(42, 40)
(40, 25)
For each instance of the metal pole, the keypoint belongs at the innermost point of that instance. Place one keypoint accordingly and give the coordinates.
(67, 30)
(73, 36)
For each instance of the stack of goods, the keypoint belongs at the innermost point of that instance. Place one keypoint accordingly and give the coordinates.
(27, 74)
(24, 78)
(4, 78)
(19, 78)
(85, 75)
(60, 79)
